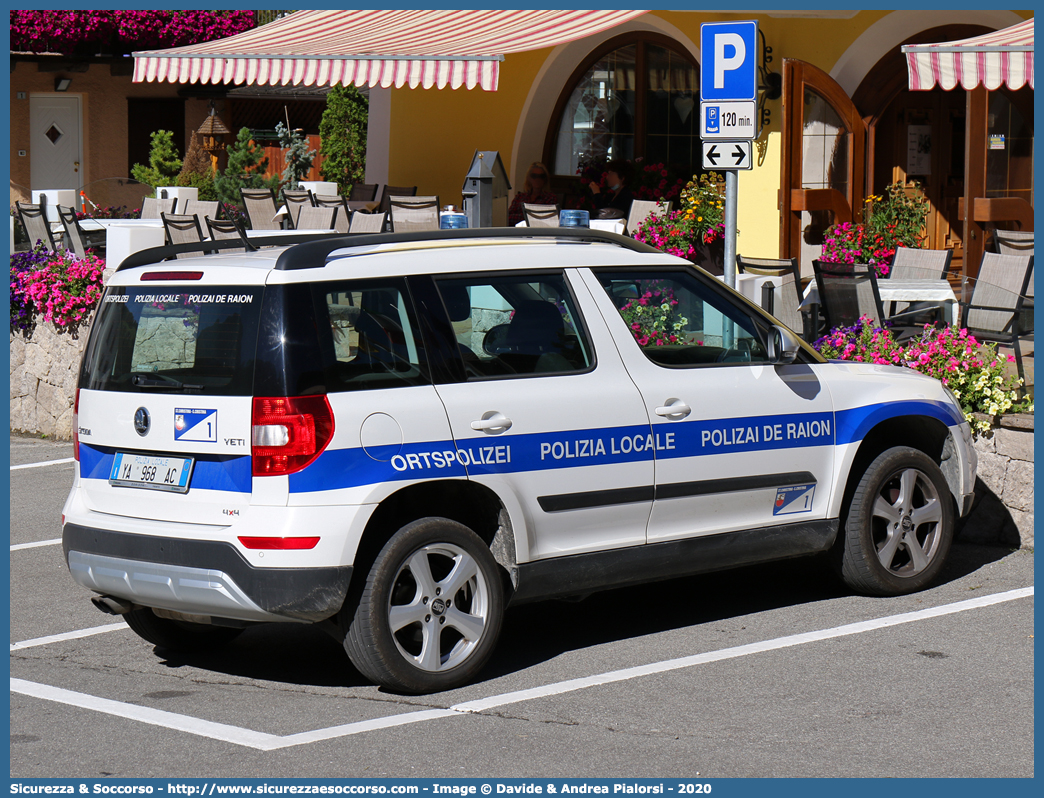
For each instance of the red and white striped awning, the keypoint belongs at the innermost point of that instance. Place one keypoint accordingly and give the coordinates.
(1002, 57)
(429, 49)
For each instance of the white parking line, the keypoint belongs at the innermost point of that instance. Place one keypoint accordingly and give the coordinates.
(35, 544)
(269, 742)
(94, 630)
(44, 463)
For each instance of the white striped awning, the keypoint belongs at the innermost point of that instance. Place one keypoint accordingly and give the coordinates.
(429, 49)
(1004, 57)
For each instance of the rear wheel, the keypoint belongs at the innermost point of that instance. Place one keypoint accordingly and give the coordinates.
(899, 525)
(430, 612)
(178, 635)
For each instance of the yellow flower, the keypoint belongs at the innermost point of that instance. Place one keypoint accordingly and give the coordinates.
(699, 218)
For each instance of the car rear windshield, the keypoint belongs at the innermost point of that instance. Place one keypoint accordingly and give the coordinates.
(170, 340)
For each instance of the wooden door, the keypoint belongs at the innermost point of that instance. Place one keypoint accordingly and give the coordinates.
(824, 160)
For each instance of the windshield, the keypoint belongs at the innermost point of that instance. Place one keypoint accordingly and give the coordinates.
(169, 340)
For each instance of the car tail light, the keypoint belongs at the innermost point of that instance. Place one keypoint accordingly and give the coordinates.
(288, 433)
(76, 425)
(147, 276)
(279, 543)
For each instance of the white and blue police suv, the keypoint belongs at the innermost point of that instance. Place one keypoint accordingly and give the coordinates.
(396, 436)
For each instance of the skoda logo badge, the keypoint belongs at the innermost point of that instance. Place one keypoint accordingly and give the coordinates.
(142, 422)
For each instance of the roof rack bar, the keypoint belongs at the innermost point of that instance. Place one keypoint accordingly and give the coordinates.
(313, 255)
(147, 257)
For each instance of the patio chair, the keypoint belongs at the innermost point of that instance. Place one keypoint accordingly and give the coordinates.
(849, 291)
(414, 213)
(152, 207)
(995, 309)
(260, 208)
(540, 215)
(911, 263)
(201, 208)
(335, 201)
(295, 200)
(183, 229)
(311, 218)
(226, 229)
(34, 222)
(365, 192)
(394, 191)
(75, 238)
(642, 210)
(367, 223)
(1013, 242)
(782, 296)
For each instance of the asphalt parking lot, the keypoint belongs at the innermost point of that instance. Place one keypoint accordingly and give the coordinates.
(774, 671)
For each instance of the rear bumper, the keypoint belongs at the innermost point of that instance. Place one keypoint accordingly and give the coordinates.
(200, 577)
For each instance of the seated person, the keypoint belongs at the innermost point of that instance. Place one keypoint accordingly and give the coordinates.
(617, 196)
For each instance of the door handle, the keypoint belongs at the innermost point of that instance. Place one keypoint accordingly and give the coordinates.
(673, 408)
(76, 166)
(492, 421)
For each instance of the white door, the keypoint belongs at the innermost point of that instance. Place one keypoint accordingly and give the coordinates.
(548, 418)
(739, 443)
(55, 141)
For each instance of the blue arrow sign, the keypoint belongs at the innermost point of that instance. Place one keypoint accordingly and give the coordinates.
(729, 67)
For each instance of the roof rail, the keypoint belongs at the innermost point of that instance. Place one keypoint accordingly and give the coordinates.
(310, 251)
(311, 255)
(147, 257)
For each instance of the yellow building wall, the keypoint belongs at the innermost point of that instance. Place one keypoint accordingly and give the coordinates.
(435, 132)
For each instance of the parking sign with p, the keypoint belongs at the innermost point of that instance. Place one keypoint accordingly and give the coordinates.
(729, 67)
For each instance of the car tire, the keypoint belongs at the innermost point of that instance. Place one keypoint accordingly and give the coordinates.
(178, 635)
(899, 525)
(430, 612)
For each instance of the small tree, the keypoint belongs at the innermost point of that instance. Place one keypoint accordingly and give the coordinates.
(164, 163)
(343, 133)
(298, 157)
(198, 171)
(246, 169)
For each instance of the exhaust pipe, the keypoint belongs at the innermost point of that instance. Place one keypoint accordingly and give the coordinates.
(111, 605)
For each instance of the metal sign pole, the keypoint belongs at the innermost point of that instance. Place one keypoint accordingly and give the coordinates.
(730, 227)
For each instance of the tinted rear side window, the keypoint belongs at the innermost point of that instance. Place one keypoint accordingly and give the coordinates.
(170, 340)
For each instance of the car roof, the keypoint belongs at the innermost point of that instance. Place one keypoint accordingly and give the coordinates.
(326, 257)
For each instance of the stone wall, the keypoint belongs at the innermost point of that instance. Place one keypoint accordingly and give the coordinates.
(43, 381)
(1003, 509)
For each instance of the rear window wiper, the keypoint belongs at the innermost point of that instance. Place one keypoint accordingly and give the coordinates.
(153, 379)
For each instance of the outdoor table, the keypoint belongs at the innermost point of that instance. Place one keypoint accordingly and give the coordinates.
(934, 291)
(609, 225)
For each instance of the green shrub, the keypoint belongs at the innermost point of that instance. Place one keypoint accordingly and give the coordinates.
(164, 163)
(343, 134)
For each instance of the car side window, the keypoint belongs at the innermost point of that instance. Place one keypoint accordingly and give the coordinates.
(677, 320)
(372, 342)
(516, 325)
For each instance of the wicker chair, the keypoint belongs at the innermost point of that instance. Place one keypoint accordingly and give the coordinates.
(540, 215)
(227, 229)
(783, 297)
(34, 222)
(260, 208)
(367, 223)
(414, 213)
(295, 200)
(335, 201)
(394, 191)
(183, 229)
(643, 209)
(74, 236)
(201, 208)
(994, 311)
(151, 207)
(366, 192)
(312, 218)
(1013, 242)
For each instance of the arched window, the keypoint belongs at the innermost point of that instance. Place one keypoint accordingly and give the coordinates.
(636, 96)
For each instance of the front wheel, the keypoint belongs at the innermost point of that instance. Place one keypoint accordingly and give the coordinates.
(899, 525)
(430, 612)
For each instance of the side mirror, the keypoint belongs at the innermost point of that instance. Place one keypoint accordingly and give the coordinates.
(783, 345)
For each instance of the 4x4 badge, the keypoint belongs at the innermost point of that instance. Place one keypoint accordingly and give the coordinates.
(142, 422)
